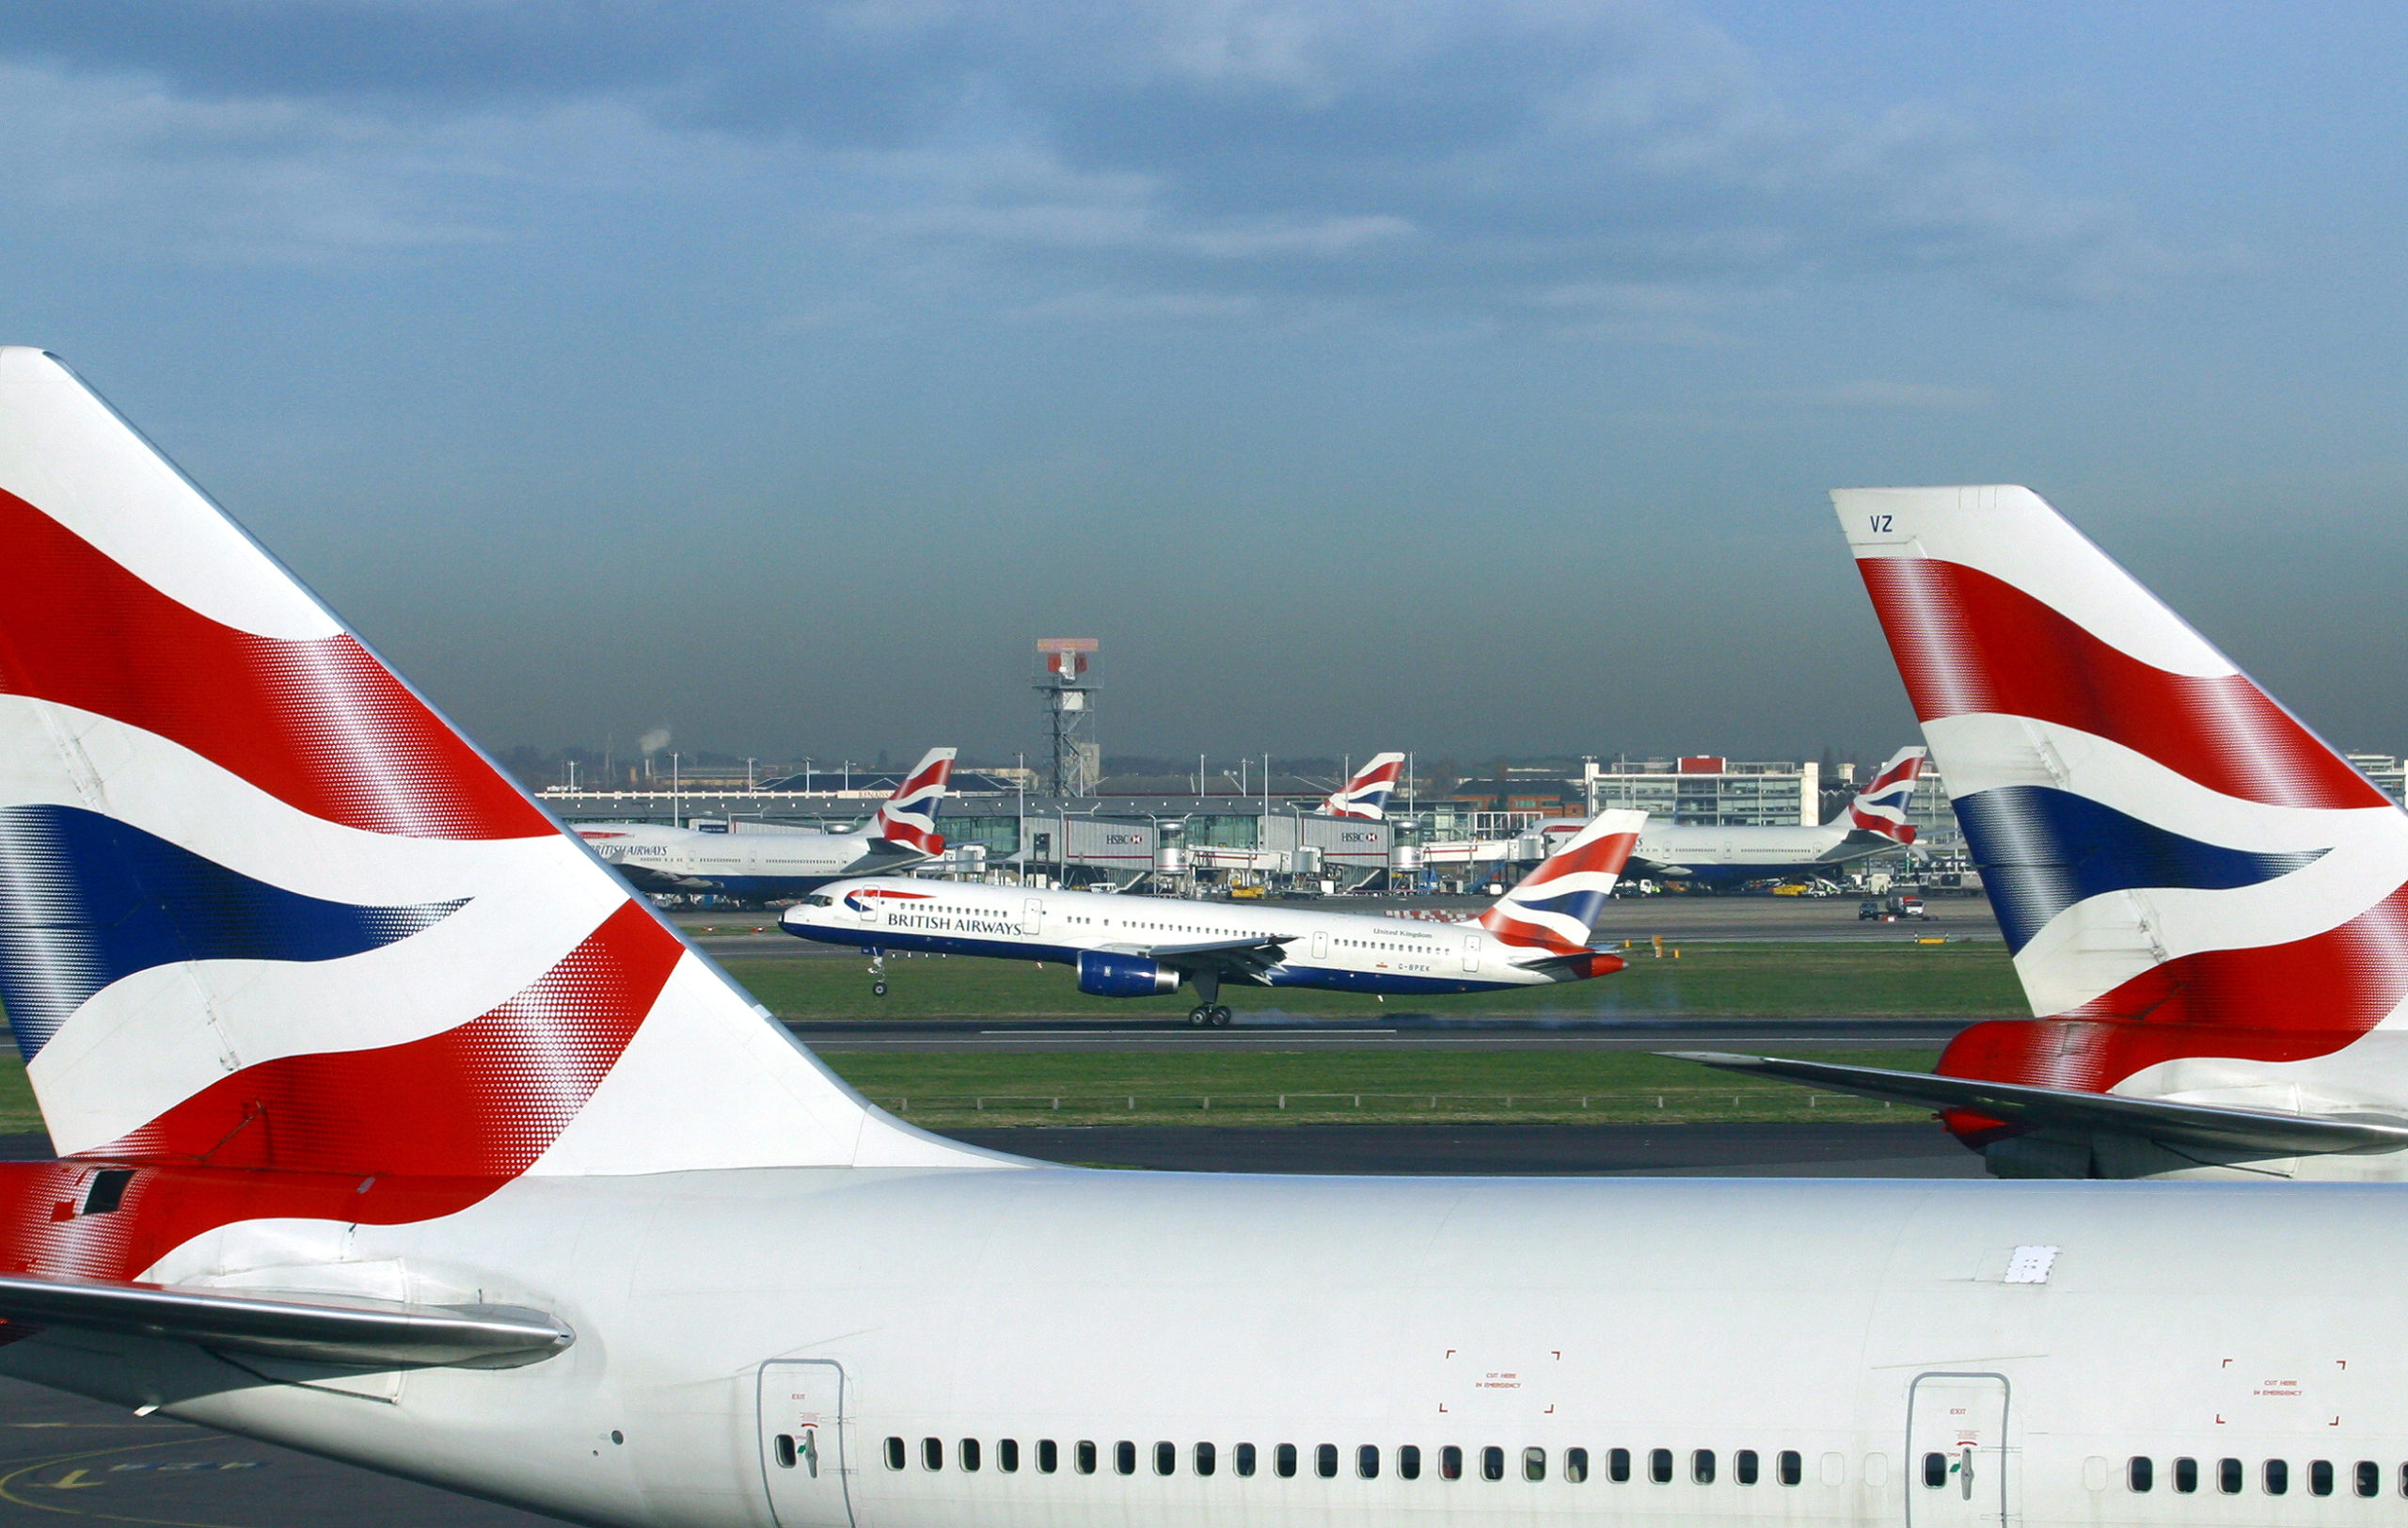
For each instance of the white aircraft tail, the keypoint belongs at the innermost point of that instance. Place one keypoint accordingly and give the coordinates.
(263, 908)
(1554, 907)
(1365, 795)
(909, 818)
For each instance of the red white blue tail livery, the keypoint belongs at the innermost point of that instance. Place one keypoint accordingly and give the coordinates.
(1365, 794)
(1881, 806)
(1554, 907)
(909, 815)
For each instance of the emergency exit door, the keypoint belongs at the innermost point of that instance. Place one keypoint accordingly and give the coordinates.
(1959, 1467)
(802, 1444)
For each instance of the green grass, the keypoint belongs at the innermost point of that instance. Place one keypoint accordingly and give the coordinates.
(1724, 980)
(16, 1112)
(956, 1088)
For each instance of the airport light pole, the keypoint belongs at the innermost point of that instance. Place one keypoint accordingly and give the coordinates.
(676, 818)
(1019, 831)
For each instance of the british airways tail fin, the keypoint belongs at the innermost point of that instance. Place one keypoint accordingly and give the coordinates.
(2181, 868)
(263, 907)
(908, 819)
(1554, 907)
(1365, 795)
(1880, 808)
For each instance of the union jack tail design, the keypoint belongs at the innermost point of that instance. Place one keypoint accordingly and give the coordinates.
(1555, 906)
(1881, 806)
(909, 815)
(261, 908)
(1366, 795)
(2187, 876)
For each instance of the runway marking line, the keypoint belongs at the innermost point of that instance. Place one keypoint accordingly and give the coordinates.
(8, 1483)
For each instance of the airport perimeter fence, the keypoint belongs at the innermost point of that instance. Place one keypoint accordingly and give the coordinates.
(1660, 1104)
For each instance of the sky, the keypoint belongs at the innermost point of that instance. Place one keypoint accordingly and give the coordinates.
(1463, 377)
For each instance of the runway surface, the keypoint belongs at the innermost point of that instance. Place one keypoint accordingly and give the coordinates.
(1405, 1031)
(1687, 920)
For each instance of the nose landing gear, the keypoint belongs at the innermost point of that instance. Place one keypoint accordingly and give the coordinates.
(877, 973)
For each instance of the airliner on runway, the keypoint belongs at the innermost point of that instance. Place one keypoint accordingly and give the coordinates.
(1142, 947)
(2207, 905)
(397, 1130)
(754, 863)
(1872, 823)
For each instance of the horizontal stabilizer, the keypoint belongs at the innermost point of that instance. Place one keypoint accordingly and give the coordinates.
(322, 1329)
(2204, 1125)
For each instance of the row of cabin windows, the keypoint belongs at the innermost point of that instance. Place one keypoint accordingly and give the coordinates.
(2231, 1475)
(1747, 1465)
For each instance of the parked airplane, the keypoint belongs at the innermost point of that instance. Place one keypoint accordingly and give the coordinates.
(1366, 793)
(1875, 823)
(2207, 905)
(757, 863)
(1143, 946)
(396, 1130)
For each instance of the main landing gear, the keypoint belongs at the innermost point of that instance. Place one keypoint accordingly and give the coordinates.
(1213, 1014)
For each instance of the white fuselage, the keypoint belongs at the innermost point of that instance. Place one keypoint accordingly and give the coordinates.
(1858, 1328)
(1693, 851)
(754, 865)
(1344, 951)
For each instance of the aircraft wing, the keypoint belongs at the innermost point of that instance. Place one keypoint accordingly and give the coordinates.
(1245, 959)
(2208, 1125)
(324, 1328)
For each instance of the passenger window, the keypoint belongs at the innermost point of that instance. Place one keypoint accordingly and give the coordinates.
(1659, 1466)
(1451, 1463)
(1793, 1467)
(1367, 1461)
(1492, 1463)
(2139, 1472)
(2228, 1476)
(1935, 1471)
(783, 1449)
(1743, 1465)
(1207, 1459)
(1533, 1464)
(2186, 1475)
(931, 1453)
(1085, 1457)
(1575, 1465)
(1618, 1465)
(968, 1454)
(1283, 1461)
(2320, 1478)
(1007, 1455)
(1124, 1458)
(1049, 1459)
(1701, 1467)
(1325, 1460)
(2370, 1477)
(895, 1454)
(1408, 1461)
(2278, 1476)
(1165, 1459)
(1245, 1459)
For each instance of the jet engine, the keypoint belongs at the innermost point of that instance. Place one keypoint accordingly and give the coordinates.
(1103, 975)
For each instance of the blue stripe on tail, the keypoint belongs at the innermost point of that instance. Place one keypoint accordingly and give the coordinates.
(2040, 850)
(87, 900)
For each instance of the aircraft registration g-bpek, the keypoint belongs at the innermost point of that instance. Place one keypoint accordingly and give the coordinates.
(393, 1127)
(1143, 946)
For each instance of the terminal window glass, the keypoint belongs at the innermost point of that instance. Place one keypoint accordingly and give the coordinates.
(1245, 1459)
(1451, 1463)
(1283, 1460)
(1575, 1465)
(1408, 1461)
(1492, 1464)
(2186, 1475)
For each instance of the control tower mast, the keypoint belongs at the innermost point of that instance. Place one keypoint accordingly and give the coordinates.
(1063, 678)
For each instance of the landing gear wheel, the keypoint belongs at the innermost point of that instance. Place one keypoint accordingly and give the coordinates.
(878, 989)
(1198, 1016)
(1220, 1016)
